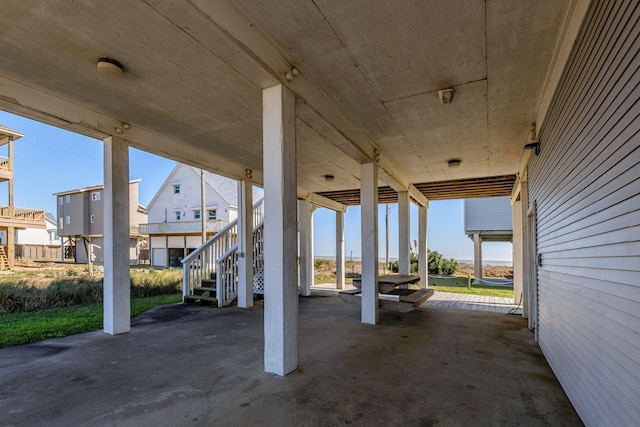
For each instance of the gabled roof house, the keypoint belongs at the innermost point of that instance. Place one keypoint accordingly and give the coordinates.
(176, 214)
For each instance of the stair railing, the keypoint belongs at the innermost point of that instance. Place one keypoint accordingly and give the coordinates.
(227, 277)
(227, 267)
(203, 263)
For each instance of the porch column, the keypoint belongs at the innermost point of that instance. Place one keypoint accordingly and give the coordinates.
(305, 215)
(477, 258)
(516, 244)
(116, 237)
(339, 249)
(245, 244)
(526, 267)
(423, 258)
(404, 245)
(280, 231)
(369, 232)
(11, 244)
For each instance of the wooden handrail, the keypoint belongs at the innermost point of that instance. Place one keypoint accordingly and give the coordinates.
(23, 214)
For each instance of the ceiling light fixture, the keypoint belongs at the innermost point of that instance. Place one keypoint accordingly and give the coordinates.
(454, 163)
(446, 95)
(329, 178)
(110, 67)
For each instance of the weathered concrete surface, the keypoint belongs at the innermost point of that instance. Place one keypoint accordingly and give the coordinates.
(192, 365)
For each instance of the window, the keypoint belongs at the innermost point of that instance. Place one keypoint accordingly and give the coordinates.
(60, 200)
(95, 196)
(93, 219)
(176, 189)
(68, 198)
(211, 214)
(60, 223)
(196, 214)
(178, 215)
(67, 219)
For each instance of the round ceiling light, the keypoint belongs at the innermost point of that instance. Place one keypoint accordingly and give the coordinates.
(110, 67)
(454, 163)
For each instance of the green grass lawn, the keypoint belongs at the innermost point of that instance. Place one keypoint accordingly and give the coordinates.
(459, 285)
(28, 327)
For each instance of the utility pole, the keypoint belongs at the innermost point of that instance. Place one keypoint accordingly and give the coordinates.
(386, 223)
(203, 218)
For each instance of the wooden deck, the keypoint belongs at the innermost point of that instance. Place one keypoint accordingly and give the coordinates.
(471, 302)
(442, 299)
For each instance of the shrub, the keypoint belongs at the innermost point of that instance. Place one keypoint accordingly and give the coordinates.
(436, 264)
(30, 294)
(448, 266)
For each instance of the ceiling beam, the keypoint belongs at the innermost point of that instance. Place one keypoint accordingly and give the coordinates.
(39, 105)
(240, 31)
(321, 201)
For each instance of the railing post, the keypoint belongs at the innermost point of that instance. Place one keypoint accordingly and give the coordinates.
(186, 272)
(219, 290)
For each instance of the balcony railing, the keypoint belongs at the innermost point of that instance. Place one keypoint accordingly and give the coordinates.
(22, 214)
(4, 162)
(182, 227)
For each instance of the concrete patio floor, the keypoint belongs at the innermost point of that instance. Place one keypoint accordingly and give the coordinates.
(191, 365)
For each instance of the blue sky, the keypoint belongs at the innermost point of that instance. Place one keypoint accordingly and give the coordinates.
(50, 160)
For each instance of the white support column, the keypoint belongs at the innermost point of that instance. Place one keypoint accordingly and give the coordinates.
(516, 244)
(524, 227)
(477, 258)
(305, 215)
(245, 244)
(404, 236)
(339, 249)
(369, 227)
(280, 231)
(423, 258)
(117, 311)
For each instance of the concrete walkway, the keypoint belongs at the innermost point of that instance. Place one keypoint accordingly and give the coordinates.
(200, 366)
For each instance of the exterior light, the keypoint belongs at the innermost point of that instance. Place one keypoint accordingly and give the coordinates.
(533, 146)
(329, 178)
(454, 163)
(446, 95)
(110, 67)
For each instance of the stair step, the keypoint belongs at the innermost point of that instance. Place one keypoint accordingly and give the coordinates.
(208, 283)
(204, 290)
(201, 298)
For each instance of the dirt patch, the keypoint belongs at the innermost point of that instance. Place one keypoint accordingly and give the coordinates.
(501, 271)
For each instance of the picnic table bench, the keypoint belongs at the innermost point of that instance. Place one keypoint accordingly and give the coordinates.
(390, 296)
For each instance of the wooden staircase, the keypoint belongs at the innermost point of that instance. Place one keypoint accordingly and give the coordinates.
(211, 272)
(4, 261)
(205, 294)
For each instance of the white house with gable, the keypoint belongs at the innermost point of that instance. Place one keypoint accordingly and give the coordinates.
(176, 213)
(37, 236)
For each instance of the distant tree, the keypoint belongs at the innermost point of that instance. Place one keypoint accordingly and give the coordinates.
(436, 264)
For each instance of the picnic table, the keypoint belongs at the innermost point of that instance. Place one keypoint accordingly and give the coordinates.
(389, 282)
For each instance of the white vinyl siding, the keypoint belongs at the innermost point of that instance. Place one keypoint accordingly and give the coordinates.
(489, 213)
(585, 185)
